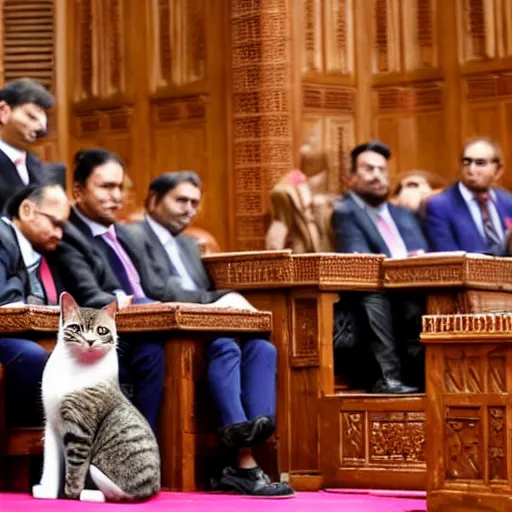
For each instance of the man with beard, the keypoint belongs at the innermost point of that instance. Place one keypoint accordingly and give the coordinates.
(365, 222)
(23, 120)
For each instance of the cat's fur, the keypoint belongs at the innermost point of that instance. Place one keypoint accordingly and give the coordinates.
(90, 424)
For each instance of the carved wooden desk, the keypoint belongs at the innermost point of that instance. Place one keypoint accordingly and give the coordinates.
(456, 282)
(468, 412)
(300, 290)
(186, 429)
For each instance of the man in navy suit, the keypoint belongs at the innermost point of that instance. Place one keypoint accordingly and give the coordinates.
(28, 275)
(23, 120)
(365, 222)
(471, 215)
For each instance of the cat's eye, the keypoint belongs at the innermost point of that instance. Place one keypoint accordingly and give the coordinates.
(73, 327)
(102, 330)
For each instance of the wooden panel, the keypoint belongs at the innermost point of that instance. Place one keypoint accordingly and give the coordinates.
(178, 42)
(28, 40)
(411, 121)
(99, 49)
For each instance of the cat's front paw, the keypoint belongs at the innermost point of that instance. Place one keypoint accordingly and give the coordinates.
(71, 494)
(42, 492)
(92, 495)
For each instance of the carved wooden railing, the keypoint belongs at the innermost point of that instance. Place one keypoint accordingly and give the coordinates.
(187, 432)
(455, 282)
(468, 411)
(300, 291)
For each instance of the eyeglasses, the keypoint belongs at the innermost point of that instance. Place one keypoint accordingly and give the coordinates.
(56, 223)
(479, 162)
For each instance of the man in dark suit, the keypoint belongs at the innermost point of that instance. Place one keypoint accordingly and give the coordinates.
(472, 215)
(28, 239)
(101, 262)
(23, 120)
(365, 222)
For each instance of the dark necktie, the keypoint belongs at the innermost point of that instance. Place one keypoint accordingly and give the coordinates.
(491, 235)
(118, 268)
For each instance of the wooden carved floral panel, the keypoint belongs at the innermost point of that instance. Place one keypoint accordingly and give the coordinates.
(497, 450)
(397, 437)
(353, 438)
(463, 438)
(305, 342)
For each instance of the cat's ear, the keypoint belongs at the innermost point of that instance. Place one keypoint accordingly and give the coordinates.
(111, 309)
(67, 305)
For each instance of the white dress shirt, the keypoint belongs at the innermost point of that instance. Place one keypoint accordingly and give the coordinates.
(476, 212)
(173, 251)
(16, 155)
(400, 250)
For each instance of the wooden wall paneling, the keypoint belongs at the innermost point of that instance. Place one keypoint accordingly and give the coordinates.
(328, 84)
(261, 110)
(29, 50)
(187, 103)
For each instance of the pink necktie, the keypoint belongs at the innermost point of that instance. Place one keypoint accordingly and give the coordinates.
(131, 271)
(388, 235)
(48, 282)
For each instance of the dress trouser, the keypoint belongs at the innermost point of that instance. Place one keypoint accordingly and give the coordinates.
(242, 379)
(23, 362)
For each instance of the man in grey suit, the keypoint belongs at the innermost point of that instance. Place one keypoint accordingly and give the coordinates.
(241, 377)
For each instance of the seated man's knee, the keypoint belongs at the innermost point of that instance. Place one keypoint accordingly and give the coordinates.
(223, 347)
(21, 351)
(263, 348)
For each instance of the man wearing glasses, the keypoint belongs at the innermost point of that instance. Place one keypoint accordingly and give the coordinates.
(29, 235)
(472, 215)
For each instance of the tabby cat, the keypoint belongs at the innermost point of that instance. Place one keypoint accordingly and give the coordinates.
(90, 425)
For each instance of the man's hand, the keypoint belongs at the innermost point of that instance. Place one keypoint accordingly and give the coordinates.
(234, 300)
(123, 301)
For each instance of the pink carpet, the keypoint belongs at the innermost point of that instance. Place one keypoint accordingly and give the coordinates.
(181, 502)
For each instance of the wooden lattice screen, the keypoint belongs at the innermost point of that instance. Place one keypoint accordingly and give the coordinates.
(28, 40)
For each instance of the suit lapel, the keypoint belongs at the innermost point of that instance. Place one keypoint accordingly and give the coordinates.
(35, 170)
(191, 262)
(501, 209)
(9, 172)
(156, 248)
(461, 208)
(369, 227)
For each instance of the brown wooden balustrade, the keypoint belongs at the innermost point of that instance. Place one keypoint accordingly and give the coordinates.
(468, 412)
(347, 439)
(187, 438)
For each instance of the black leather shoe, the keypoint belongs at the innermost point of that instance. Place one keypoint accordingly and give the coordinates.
(248, 433)
(251, 482)
(395, 386)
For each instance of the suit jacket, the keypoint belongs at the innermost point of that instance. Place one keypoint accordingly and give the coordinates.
(154, 254)
(450, 225)
(10, 180)
(14, 280)
(356, 231)
(90, 279)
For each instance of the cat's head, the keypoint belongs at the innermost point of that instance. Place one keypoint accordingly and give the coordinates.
(88, 334)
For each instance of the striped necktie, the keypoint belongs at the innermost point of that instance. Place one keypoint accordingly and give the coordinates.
(491, 235)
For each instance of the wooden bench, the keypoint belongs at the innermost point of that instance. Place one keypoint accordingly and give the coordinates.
(187, 437)
(332, 438)
(468, 412)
